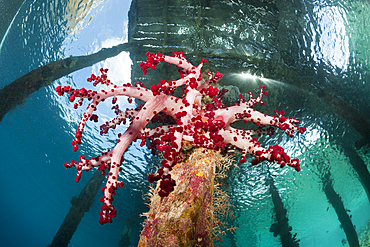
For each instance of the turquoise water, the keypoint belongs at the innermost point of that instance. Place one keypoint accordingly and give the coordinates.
(329, 39)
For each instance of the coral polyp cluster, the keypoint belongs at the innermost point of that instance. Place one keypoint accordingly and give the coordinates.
(186, 120)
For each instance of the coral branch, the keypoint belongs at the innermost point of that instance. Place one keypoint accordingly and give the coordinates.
(185, 120)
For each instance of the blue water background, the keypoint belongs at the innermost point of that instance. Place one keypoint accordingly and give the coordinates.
(35, 137)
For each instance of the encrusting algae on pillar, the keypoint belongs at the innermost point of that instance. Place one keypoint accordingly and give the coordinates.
(186, 216)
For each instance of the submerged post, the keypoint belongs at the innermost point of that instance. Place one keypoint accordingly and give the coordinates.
(185, 217)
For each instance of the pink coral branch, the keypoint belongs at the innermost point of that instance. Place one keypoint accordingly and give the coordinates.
(185, 119)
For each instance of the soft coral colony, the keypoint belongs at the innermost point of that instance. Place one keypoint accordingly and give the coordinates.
(185, 120)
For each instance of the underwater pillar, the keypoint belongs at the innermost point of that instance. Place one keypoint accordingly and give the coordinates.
(80, 205)
(337, 203)
(360, 167)
(185, 216)
(16, 92)
(282, 226)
